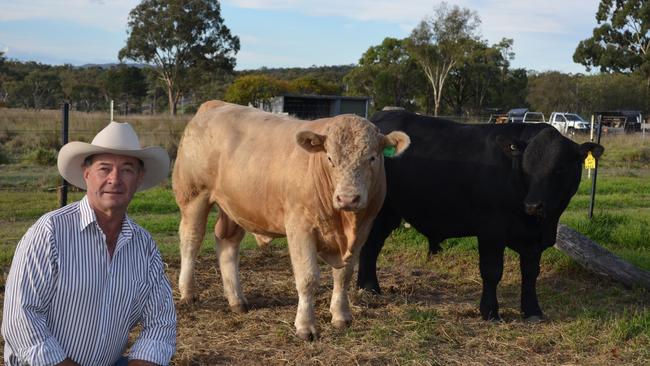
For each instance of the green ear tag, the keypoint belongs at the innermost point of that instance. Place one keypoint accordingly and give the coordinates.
(389, 151)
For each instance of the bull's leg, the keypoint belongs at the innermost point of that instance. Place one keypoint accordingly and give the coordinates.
(228, 235)
(302, 249)
(529, 265)
(194, 216)
(491, 267)
(434, 247)
(340, 304)
(382, 226)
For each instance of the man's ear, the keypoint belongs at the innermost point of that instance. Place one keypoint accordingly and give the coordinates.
(395, 143)
(596, 150)
(510, 147)
(310, 141)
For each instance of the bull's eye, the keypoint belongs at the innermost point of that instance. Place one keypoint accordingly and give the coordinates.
(513, 147)
(330, 160)
(372, 159)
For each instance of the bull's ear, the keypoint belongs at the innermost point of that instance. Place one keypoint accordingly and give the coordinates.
(395, 143)
(510, 147)
(596, 150)
(310, 141)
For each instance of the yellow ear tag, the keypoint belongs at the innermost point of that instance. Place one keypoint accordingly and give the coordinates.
(389, 151)
(590, 161)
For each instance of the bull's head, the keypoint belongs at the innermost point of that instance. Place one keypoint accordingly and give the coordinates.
(551, 167)
(353, 153)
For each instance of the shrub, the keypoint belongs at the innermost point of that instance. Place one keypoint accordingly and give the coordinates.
(4, 157)
(41, 156)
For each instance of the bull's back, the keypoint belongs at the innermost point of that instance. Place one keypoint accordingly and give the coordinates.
(453, 180)
(239, 156)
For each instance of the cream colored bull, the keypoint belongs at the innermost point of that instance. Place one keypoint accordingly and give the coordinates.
(319, 183)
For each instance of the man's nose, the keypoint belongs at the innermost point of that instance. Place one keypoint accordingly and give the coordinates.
(114, 176)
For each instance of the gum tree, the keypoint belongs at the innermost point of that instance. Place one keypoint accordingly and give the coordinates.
(182, 40)
(621, 41)
(440, 41)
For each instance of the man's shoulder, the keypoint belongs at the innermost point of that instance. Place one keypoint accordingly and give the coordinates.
(60, 215)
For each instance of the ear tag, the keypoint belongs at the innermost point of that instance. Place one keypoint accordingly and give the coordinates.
(389, 151)
(590, 161)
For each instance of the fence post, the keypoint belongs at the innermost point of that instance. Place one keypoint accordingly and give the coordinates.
(63, 189)
(593, 181)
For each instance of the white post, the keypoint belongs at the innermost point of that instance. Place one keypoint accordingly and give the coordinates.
(111, 110)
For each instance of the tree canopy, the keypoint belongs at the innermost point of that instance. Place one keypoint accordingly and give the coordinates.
(440, 41)
(621, 42)
(388, 74)
(183, 39)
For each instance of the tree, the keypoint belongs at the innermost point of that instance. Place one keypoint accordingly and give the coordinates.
(474, 77)
(44, 87)
(612, 91)
(621, 42)
(183, 39)
(256, 90)
(440, 41)
(387, 73)
(312, 85)
(126, 84)
(554, 91)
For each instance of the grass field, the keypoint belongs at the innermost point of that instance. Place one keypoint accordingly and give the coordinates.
(428, 314)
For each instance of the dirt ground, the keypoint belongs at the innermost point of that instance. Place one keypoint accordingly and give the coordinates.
(209, 334)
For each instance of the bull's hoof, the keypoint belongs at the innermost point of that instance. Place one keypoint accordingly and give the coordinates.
(341, 324)
(239, 308)
(370, 288)
(307, 335)
(534, 319)
(491, 316)
(188, 300)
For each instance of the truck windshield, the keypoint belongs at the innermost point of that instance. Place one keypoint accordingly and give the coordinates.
(574, 117)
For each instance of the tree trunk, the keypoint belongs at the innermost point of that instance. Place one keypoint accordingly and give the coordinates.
(172, 101)
(598, 259)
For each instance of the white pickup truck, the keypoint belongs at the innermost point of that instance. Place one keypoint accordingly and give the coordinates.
(568, 123)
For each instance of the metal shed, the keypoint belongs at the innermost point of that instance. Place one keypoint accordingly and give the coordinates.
(317, 106)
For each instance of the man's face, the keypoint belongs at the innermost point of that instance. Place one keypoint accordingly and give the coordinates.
(111, 181)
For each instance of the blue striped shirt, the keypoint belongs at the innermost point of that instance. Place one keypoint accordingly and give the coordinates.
(65, 296)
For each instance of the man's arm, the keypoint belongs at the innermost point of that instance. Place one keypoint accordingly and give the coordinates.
(157, 341)
(28, 293)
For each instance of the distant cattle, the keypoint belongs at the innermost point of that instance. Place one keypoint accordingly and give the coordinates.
(505, 184)
(319, 183)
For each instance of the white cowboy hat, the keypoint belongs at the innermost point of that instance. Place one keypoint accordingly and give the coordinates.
(116, 138)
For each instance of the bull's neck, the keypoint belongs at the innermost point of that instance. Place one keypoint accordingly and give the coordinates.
(324, 184)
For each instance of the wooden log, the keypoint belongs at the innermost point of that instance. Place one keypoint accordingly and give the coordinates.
(598, 259)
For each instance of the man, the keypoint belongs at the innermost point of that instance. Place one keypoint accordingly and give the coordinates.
(84, 275)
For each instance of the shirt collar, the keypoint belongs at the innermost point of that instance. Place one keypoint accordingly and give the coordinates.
(87, 217)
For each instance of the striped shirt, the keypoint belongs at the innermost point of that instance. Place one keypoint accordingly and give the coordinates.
(65, 296)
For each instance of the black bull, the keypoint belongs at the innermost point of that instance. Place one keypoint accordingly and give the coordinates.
(505, 184)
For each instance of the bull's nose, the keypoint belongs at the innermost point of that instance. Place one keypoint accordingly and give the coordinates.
(534, 208)
(348, 201)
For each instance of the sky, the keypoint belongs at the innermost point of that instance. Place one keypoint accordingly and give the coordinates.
(298, 33)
